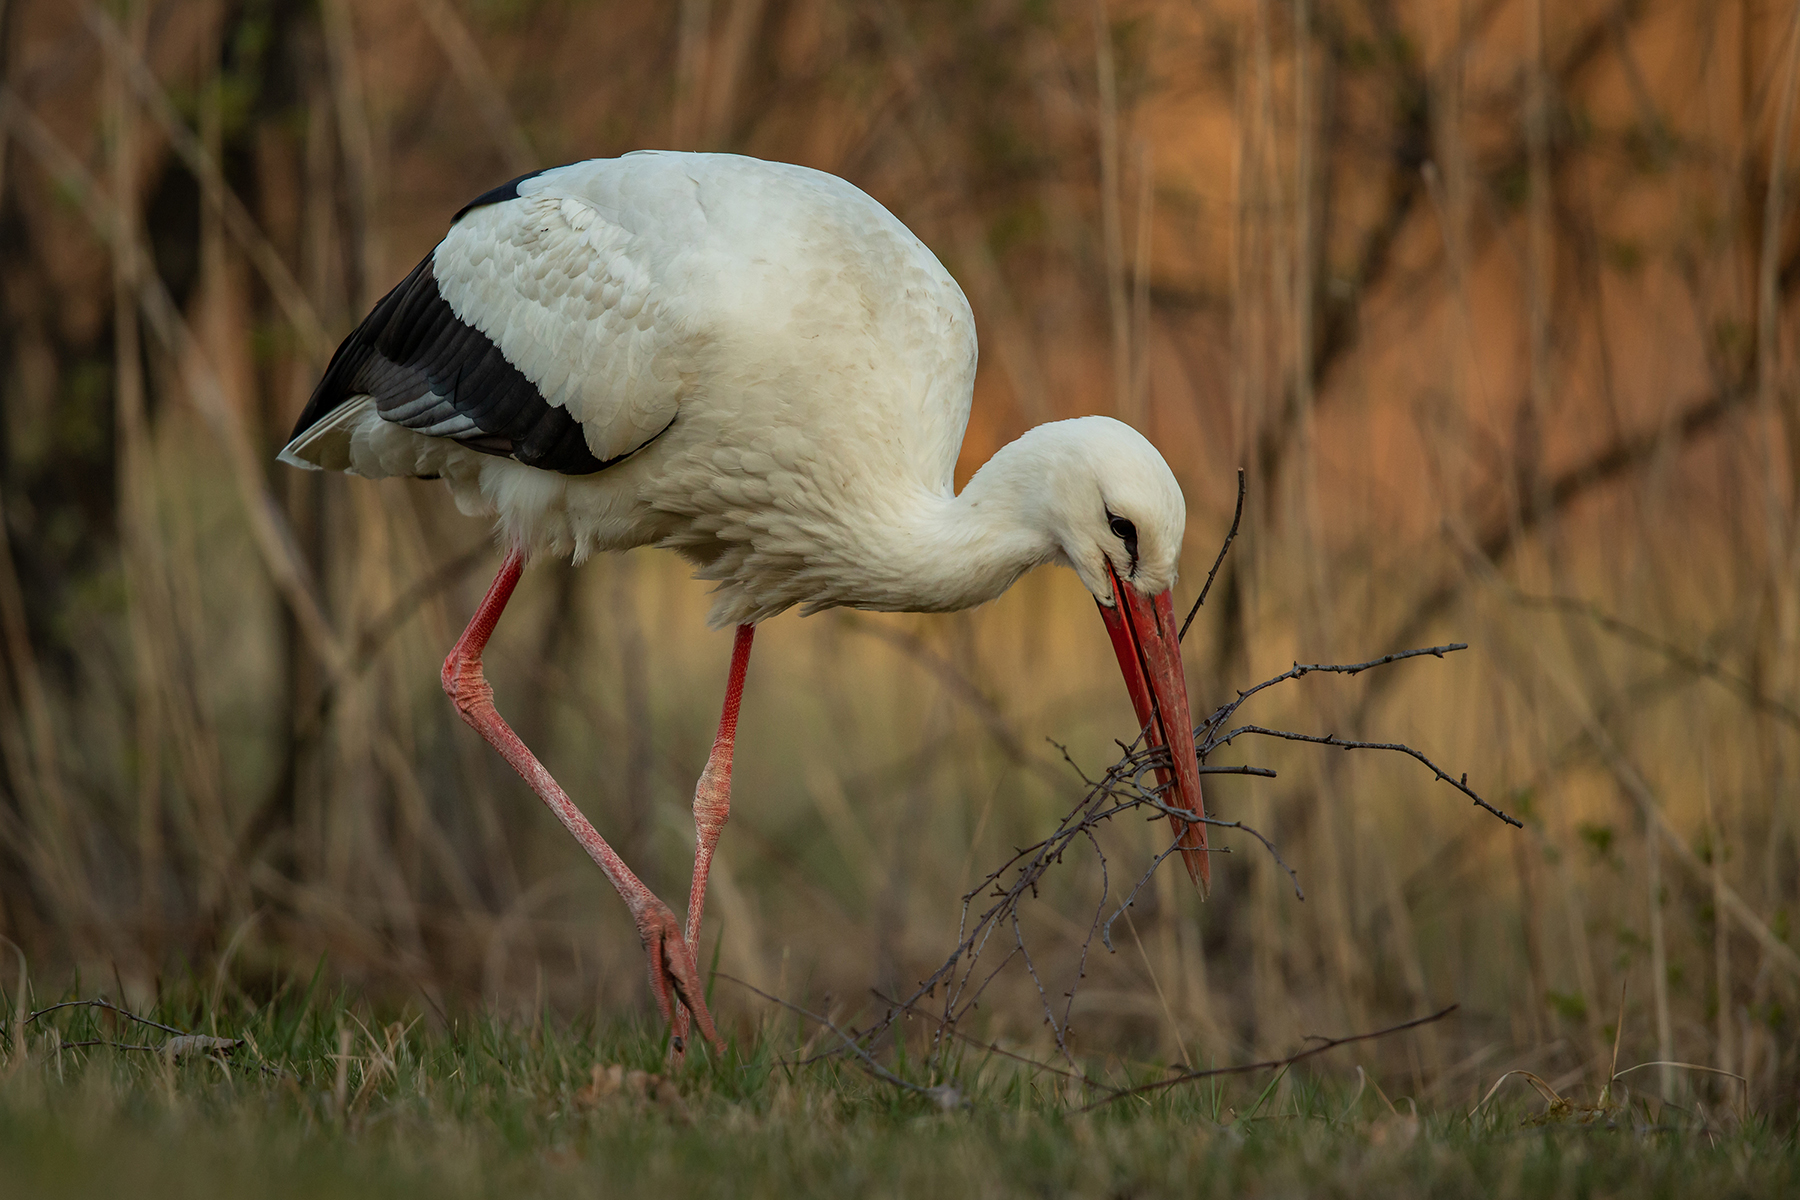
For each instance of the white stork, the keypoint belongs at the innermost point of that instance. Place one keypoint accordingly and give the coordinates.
(760, 367)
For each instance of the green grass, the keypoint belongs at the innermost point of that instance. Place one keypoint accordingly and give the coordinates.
(483, 1106)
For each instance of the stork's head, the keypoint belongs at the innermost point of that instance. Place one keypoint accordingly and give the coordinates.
(1118, 517)
(1116, 507)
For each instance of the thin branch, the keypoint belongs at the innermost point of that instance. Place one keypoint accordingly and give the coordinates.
(1188, 1076)
(944, 1095)
(1188, 815)
(1131, 897)
(1267, 845)
(1127, 785)
(1080, 1077)
(1059, 1029)
(181, 1043)
(1230, 537)
(109, 1006)
(1298, 671)
(1301, 670)
(1329, 739)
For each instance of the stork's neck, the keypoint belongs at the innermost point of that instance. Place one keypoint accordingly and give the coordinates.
(959, 551)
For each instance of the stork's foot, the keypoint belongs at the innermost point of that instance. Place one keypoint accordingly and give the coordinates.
(673, 977)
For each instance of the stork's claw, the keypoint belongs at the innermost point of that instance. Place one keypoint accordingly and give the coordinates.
(673, 976)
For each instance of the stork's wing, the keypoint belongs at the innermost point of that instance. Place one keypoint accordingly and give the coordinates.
(530, 331)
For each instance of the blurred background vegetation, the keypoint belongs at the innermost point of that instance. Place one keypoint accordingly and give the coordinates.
(1493, 299)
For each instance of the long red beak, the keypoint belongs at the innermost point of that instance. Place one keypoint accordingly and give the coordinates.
(1144, 637)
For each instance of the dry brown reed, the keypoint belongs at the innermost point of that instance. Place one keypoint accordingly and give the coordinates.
(1492, 299)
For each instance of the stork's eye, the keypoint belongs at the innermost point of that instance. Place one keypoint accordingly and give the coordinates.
(1126, 532)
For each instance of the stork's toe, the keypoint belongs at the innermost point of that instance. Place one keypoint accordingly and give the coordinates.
(674, 979)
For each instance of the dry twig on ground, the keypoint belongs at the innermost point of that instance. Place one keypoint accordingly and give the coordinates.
(179, 1045)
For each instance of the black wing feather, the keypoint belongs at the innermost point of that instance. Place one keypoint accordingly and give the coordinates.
(496, 195)
(426, 367)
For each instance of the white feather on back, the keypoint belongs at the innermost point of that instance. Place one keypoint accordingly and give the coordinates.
(625, 287)
(567, 295)
(815, 358)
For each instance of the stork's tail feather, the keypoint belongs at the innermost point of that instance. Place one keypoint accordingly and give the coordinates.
(325, 444)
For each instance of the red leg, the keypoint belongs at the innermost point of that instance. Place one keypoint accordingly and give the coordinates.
(712, 795)
(671, 961)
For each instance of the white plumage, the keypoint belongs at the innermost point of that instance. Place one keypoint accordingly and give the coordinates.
(817, 363)
(758, 366)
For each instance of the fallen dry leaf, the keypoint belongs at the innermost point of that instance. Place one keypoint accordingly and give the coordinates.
(613, 1079)
(199, 1043)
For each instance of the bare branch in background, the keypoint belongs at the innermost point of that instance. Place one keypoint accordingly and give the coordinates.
(477, 78)
(274, 537)
(268, 261)
(1616, 460)
(1694, 664)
